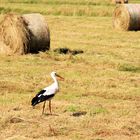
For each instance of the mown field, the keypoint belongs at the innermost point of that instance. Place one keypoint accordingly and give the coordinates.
(103, 82)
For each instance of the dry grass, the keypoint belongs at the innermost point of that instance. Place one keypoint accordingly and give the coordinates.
(103, 82)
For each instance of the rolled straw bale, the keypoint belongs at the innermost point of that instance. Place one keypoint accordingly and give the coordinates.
(127, 17)
(120, 1)
(4, 49)
(39, 32)
(13, 34)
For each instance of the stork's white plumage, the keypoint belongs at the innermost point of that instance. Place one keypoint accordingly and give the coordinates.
(47, 93)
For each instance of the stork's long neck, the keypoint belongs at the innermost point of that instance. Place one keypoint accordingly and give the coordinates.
(55, 80)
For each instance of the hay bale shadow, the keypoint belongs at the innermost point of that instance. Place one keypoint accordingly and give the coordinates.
(48, 114)
(68, 51)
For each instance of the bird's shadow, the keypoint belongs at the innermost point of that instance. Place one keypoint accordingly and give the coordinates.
(48, 114)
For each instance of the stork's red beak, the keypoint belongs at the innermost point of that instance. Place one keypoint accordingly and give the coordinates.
(61, 78)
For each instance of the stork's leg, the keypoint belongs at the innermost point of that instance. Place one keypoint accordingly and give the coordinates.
(50, 107)
(43, 107)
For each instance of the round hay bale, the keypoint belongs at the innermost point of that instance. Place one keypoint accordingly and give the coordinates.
(127, 17)
(120, 1)
(39, 32)
(4, 49)
(13, 34)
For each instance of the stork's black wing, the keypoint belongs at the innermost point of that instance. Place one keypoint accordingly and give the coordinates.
(41, 92)
(40, 97)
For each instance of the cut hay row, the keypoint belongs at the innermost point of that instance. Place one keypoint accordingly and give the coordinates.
(127, 17)
(23, 34)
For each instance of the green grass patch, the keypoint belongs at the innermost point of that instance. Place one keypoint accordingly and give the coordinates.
(98, 110)
(72, 108)
(129, 68)
(5, 10)
(60, 2)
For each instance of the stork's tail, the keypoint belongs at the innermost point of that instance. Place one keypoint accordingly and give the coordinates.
(34, 101)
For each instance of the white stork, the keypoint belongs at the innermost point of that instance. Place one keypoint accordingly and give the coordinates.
(47, 93)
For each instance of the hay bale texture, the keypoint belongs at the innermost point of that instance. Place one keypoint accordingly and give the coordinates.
(39, 32)
(127, 17)
(23, 34)
(14, 36)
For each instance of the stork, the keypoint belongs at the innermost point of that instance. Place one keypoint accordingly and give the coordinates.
(47, 93)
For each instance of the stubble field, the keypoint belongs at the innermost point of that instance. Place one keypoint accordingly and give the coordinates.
(103, 82)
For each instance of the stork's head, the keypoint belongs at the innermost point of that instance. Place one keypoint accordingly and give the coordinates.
(54, 74)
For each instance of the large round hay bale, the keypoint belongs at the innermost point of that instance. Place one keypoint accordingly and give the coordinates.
(120, 1)
(4, 49)
(127, 17)
(23, 34)
(39, 32)
(14, 35)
